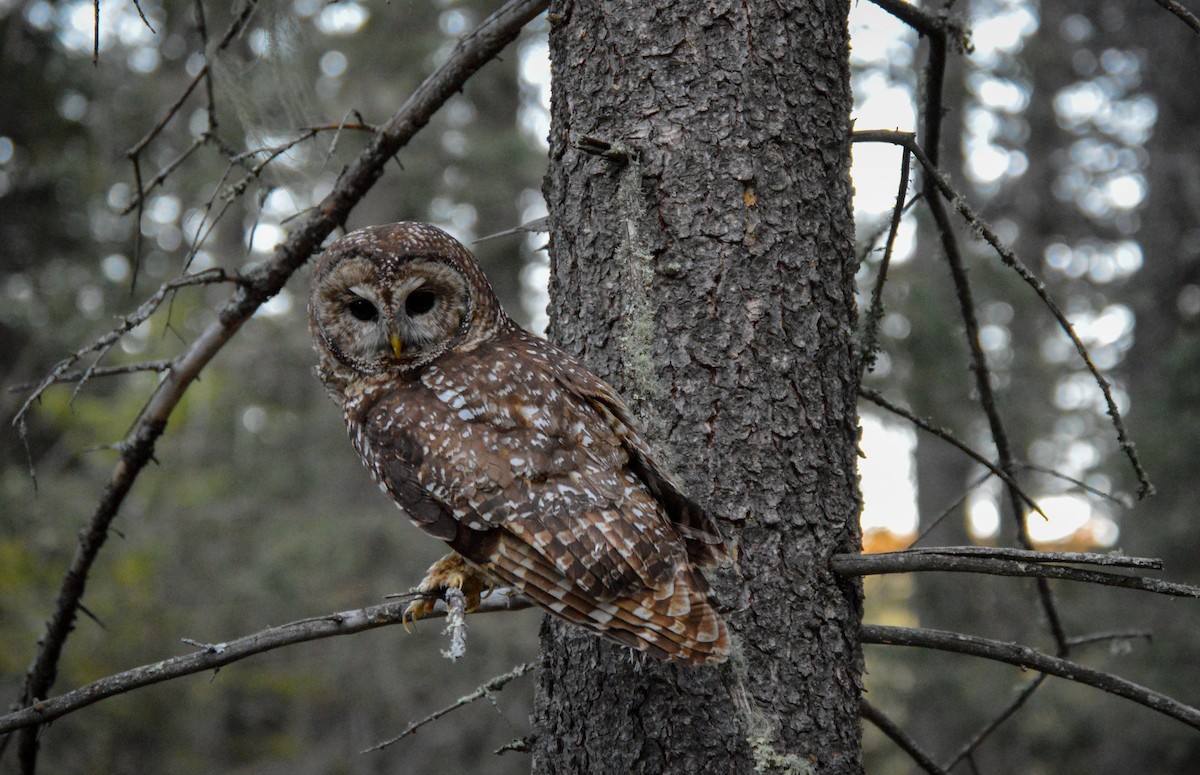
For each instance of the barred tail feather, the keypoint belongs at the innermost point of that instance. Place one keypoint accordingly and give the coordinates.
(682, 624)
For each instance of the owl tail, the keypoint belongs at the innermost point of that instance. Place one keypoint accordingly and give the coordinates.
(676, 620)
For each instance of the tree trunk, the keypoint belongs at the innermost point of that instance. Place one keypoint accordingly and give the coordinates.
(705, 267)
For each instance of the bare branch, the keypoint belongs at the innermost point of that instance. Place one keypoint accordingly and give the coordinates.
(1186, 16)
(1027, 658)
(1119, 500)
(105, 371)
(1027, 555)
(485, 690)
(920, 20)
(870, 337)
(1015, 704)
(260, 284)
(232, 31)
(956, 503)
(900, 738)
(875, 397)
(924, 560)
(213, 656)
(1009, 259)
(127, 324)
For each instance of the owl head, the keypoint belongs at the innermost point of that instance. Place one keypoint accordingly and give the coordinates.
(389, 299)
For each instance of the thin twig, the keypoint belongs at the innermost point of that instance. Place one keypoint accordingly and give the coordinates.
(951, 508)
(875, 397)
(900, 738)
(1025, 657)
(1015, 704)
(1009, 259)
(485, 690)
(1103, 637)
(1120, 500)
(104, 371)
(127, 324)
(870, 337)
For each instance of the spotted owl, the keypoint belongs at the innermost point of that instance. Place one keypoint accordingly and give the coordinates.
(508, 449)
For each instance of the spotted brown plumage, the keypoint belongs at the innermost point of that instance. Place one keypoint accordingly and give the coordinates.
(506, 448)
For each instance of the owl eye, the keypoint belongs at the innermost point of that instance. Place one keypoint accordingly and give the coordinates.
(363, 309)
(419, 302)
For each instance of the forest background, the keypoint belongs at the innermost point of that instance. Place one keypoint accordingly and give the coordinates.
(1073, 133)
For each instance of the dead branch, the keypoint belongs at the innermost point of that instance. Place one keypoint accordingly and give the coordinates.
(1027, 555)
(1015, 704)
(1031, 659)
(485, 690)
(870, 336)
(875, 397)
(211, 656)
(900, 738)
(1186, 16)
(103, 344)
(102, 371)
(1009, 259)
(919, 560)
(259, 285)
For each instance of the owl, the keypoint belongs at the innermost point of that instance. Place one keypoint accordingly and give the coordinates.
(508, 449)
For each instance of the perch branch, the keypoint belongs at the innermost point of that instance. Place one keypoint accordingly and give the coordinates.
(259, 285)
(213, 656)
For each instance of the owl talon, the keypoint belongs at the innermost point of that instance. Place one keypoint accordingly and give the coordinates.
(450, 572)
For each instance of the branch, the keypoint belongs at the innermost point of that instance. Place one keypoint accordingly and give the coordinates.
(103, 344)
(1027, 555)
(260, 284)
(898, 736)
(102, 371)
(925, 560)
(1015, 704)
(920, 20)
(875, 397)
(870, 337)
(213, 656)
(485, 690)
(1027, 658)
(1184, 14)
(1009, 259)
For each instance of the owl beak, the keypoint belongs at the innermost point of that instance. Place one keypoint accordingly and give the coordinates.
(397, 347)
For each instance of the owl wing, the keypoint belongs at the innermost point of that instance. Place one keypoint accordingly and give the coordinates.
(703, 538)
(547, 486)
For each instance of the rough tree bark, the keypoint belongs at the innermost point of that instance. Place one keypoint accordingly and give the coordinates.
(704, 265)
